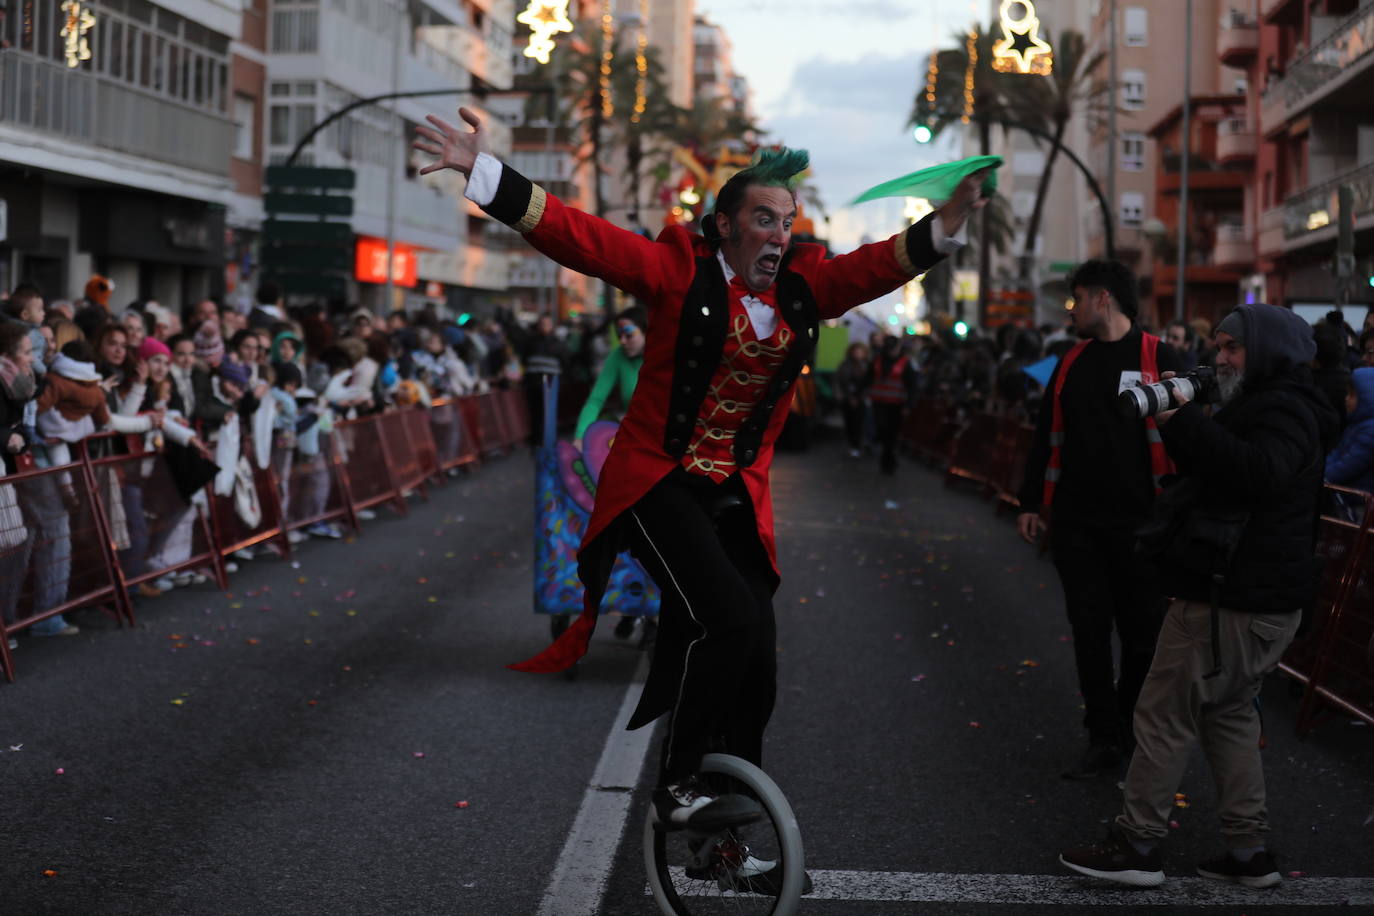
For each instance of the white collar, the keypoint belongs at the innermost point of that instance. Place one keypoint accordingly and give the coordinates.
(75, 370)
(762, 316)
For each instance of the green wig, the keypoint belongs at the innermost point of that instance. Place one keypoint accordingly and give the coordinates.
(772, 167)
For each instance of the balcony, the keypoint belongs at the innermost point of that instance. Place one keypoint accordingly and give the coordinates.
(94, 112)
(1235, 141)
(486, 268)
(1237, 39)
(1271, 233)
(1278, 11)
(1233, 247)
(1311, 215)
(1333, 64)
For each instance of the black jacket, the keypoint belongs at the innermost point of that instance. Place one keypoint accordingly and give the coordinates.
(1262, 453)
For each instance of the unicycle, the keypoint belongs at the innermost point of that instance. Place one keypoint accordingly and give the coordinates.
(753, 870)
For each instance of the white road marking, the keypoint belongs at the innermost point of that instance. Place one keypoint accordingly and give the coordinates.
(584, 865)
(1052, 890)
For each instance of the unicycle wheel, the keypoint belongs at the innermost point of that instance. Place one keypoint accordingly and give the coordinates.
(754, 870)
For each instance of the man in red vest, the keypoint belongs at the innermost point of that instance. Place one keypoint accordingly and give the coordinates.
(1091, 477)
(733, 318)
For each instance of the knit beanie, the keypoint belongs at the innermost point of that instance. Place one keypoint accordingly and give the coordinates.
(209, 345)
(151, 347)
(234, 372)
(1233, 324)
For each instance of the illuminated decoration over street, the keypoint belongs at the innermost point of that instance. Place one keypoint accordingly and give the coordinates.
(641, 62)
(545, 18)
(972, 53)
(607, 55)
(1021, 49)
(79, 21)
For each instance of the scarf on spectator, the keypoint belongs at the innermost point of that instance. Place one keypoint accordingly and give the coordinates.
(18, 385)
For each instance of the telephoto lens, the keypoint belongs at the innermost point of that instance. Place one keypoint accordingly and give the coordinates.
(1147, 400)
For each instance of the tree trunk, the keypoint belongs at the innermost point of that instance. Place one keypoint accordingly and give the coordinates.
(1041, 190)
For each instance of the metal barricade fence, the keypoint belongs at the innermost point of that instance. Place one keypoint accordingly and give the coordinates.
(58, 554)
(156, 530)
(313, 489)
(252, 513)
(454, 444)
(487, 417)
(370, 479)
(973, 451)
(516, 410)
(420, 432)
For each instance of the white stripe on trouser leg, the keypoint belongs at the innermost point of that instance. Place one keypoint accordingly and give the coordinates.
(687, 657)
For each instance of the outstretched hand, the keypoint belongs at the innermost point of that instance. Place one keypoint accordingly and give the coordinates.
(965, 199)
(456, 148)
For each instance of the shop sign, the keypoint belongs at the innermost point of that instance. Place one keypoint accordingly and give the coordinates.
(188, 233)
(370, 263)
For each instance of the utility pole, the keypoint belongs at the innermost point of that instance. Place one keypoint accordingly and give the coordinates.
(1113, 93)
(399, 24)
(1180, 286)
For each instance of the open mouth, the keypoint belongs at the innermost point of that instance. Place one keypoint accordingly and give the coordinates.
(769, 263)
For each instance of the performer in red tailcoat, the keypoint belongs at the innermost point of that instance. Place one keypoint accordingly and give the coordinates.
(733, 318)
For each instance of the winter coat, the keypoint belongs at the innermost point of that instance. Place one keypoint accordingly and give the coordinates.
(1351, 462)
(1262, 453)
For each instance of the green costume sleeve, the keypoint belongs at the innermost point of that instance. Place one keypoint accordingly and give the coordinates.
(610, 374)
(937, 182)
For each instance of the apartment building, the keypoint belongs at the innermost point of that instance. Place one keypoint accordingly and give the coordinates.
(1313, 82)
(117, 138)
(323, 57)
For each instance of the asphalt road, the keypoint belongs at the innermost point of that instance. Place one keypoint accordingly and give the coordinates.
(343, 738)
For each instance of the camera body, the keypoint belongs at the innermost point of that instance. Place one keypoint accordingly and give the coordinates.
(1147, 400)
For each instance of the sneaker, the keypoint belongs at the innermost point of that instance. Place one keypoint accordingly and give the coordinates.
(65, 630)
(230, 566)
(164, 584)
(245, 554)
(1115, 860)
(297, 536)
(1096, 760)
(725, 859)
(691, 804)
(325, 530)
(366, 515)
(1259, 871)
(14, 643)
(182, 579)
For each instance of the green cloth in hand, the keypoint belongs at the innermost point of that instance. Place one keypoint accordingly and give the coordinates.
(937, 182)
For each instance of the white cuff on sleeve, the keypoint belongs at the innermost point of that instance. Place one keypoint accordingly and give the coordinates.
(943, 243)
(484, 180)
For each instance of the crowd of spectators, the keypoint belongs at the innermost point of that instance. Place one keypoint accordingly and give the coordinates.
(186, 379)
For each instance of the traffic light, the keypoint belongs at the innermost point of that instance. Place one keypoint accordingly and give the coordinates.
(961, 329)
(922, 133)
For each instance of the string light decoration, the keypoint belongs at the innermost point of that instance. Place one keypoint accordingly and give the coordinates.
(972, 54)
(546, 18)
(607, 54)
(1021, 49)
(642, 63)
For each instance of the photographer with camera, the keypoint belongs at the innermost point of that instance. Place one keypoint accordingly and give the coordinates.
(1234, 544)
(1092, 474)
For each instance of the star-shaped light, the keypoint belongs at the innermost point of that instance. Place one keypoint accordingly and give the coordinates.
(545, 18)
(1021, 49)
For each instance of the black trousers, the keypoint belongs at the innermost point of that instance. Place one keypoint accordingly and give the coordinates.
(854, 423)
(887, 418)
(715, 658)
(1104, 589)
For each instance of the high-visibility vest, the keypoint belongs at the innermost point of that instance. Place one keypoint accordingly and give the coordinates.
(1149, 372)
(889, 388)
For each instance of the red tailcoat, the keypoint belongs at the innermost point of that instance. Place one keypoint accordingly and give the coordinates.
(661, 273)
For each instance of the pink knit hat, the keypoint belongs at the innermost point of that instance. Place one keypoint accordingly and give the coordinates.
(151, 347)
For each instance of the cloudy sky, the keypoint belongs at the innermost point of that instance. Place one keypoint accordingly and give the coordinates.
(839, 79)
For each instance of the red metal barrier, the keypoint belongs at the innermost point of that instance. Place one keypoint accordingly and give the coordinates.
(421, 435)
(369, 478)
(931, 430)
(1007, 471)
(313, 488)
(454, 444)
(516, 411)
(486, 417)
(156, 531)
(1334, 658)
(971, 457)
(232, 531)
(66, 559)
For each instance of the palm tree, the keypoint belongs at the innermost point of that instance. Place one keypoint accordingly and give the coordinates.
(1069, 90)
(654, 125)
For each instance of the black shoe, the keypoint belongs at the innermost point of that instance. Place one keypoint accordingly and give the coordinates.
(691, 805)
(1115, 859)
(1260, 871)
(625, 628)
(1096, 760)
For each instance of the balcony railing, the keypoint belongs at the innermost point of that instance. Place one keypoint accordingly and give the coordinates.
(1338, 55)
(1233, 248)
(1237, 39)
(95, 112)
(1316, 208)
(1271, 232)
(1235, 140)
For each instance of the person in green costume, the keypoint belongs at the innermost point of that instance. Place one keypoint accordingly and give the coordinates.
(620, 371)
